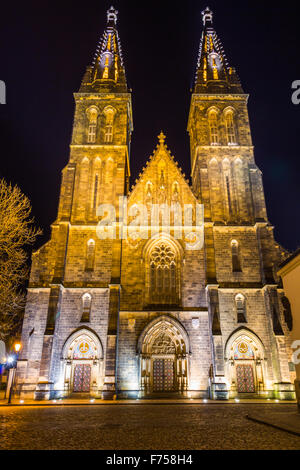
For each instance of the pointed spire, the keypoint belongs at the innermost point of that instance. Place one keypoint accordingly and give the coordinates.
(214, 75)
(107, 73)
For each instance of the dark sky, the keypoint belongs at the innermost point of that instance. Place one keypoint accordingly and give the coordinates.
(45, 47)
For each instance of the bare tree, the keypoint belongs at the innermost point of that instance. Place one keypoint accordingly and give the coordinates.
(16, 232)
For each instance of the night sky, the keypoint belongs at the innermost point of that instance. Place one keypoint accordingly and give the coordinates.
(46, 46)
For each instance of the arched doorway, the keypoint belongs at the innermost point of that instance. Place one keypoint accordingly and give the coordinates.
(244, 353)
(82, 363)
(163, 349)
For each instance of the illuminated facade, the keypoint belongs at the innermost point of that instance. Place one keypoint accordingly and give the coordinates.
(148, 317)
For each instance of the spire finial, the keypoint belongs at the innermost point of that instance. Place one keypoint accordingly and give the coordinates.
(112, 15)
(207, 17)
(161, 138)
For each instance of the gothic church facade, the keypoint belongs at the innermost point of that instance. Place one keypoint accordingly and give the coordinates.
(139, 317)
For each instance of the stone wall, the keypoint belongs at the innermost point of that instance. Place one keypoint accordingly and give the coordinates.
(132, 325)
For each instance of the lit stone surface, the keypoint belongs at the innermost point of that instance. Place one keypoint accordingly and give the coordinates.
(155, 295)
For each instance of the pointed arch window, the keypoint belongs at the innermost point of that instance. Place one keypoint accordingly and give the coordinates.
(108, 133)
(90, 255)
(109, 114)
(96, 184)
(215, 70)
(236, 259)
(228, 193)
(230, 128)
(213, 127)
(92, 114)
(106, 67)
(240, 305)
(228, 188)
(163, 275)
(205, 69)
(95, 196)
(92, 133)
(86, 308)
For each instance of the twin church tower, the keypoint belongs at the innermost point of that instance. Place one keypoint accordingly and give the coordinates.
(146, 317)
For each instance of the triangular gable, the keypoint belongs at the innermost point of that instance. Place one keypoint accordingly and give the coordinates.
(161, 181)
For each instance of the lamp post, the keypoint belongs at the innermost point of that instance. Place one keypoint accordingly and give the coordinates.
(17, 347)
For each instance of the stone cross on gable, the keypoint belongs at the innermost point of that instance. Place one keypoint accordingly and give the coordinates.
(161, 138)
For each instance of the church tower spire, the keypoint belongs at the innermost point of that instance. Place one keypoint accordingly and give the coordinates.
(225, 176)
(214, 74)
(107, 72)
(227, 181)
(96, 176)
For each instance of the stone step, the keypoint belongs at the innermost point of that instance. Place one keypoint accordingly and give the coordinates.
(166, 395)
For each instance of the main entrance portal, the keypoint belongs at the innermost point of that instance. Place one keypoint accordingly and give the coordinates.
(163, 357)
(163, 375)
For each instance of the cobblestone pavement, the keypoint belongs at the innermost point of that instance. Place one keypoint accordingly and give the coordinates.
(146, 427)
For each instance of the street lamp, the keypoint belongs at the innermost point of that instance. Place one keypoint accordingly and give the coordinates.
(17, 347)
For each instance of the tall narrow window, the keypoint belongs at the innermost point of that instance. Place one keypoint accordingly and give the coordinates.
(215, 70)
(90, 255)
(227, 182)
(240, 305)
(92, 114)
(205, 69)
(96, 185)
(230, 130)
(236, 261)
(108, 133)
(109, 42)
(109, 114)
(116, 69)
(86, 308)
(152, 275)
(213, 128)
(92, 133)
(106, 65)
(173, 275)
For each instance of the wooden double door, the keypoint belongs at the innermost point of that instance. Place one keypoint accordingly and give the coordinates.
(82, 378)
(245, 378)
(163, 375)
